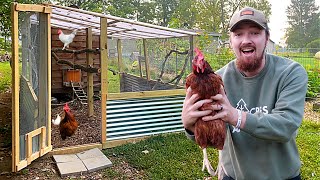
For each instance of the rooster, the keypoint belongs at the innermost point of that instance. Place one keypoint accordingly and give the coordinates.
(66, 38)
(204, 82)
(68, 124)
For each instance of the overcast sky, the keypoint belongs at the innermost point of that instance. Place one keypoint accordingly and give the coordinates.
(278, 19)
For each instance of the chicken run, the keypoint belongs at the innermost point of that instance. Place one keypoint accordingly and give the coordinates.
(68, 52)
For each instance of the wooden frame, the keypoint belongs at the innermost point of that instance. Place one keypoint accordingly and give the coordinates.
(45, 82)
(104, 78)
(142, 94)
(15, 88)
(89, 75)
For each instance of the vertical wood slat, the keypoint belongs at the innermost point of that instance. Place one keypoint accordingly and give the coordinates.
(15, 87)
(42, 100)
(147, 64)
(191, 50)
(119, 50)
(89, 75)
(120, 64)
(104, 77)
(49, 146)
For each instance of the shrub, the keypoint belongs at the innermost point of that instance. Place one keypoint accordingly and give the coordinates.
(314, 46)
(313, 83)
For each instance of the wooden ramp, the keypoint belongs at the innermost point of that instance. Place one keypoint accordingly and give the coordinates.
(79, 92)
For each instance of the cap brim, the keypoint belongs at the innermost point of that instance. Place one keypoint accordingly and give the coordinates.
(248, 20)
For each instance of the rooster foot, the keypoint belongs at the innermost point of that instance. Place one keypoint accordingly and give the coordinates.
(206, 164)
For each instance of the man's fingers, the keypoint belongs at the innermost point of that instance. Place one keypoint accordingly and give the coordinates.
(215, 117)
(201, 113)
(199, 104)
(188, 93)
(222, 91)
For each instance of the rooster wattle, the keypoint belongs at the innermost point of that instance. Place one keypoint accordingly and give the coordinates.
(204, 82)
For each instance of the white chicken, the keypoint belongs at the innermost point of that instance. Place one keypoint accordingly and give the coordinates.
(57, 120)
(66, 38)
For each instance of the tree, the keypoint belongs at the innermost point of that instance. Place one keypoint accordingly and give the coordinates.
(212, 15)
(5, 23)
(165, 10)
(304, 23)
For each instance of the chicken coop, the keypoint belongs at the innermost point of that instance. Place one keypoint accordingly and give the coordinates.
(137, 69)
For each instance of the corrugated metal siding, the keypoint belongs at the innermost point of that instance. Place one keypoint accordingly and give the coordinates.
(138, 117)
(133, 83)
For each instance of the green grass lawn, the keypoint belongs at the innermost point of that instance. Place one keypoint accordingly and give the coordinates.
(173, 156)
(308, 62)
(5, 76)
(113, 81)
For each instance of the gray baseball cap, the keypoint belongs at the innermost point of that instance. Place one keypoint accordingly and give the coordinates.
(248, 14)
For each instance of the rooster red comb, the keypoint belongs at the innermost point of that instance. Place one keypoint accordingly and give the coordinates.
(66, 107)
(199, 53)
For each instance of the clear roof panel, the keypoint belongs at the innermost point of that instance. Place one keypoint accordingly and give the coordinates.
(119, 28)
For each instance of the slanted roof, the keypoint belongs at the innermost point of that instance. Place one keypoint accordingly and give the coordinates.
(118, 28)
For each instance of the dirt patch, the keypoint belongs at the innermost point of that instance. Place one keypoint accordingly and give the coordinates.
(89, 129)
(5, 133)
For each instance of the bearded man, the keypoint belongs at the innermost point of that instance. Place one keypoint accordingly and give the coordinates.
(262, 103)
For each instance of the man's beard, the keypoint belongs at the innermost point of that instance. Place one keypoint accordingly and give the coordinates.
(251, 65)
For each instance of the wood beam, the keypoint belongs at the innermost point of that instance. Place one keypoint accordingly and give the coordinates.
(146, 57)
(15, 87)
(104, 77)
(191, 45)
(33, 8)
(145, 94)
(89, 75)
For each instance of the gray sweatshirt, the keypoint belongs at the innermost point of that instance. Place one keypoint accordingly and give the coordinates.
(274, 100)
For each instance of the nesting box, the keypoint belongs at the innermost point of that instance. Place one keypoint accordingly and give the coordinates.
(71, 75)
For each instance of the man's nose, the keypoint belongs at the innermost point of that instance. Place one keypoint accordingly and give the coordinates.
(246, 39)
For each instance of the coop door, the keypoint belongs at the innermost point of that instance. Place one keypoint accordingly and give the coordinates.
(31, 80)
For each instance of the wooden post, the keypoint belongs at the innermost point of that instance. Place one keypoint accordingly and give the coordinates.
(104, 78)
(15, 88)
(191, 50)
(147, 64)
(120, 64)
(89, 75)
(48, 17)
(119, 50)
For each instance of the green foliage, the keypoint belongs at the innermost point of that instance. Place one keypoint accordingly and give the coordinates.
(313, 83)
(173, 156)
(218, 60)
(5, 76)
(308, 144)
(113, 80)
(304, 23)
(314, 46)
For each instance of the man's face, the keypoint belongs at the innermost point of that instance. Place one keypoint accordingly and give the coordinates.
(248, 42)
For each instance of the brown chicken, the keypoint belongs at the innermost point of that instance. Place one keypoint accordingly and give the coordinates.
(206, 83)
(68, 124)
